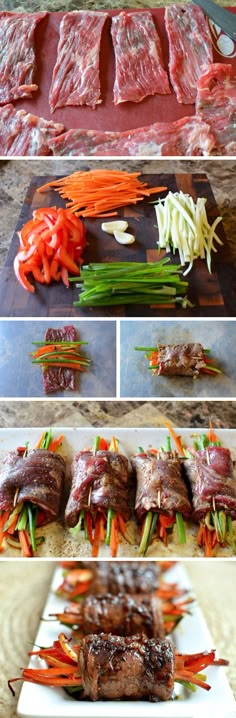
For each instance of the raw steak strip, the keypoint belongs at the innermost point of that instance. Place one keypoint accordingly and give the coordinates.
(75, 79)
(180, 359)
(99, 481)
(17, 58)
(190, 48)
(116, 667)
(187, 136)
(24, 134)
(39, 477)
(216, 104)
(160, 475)
(138, 56)
(57, 378)
(212, 480)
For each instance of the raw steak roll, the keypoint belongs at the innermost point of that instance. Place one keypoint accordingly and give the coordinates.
(216, 105)
(122, 615)
(190, 48)
(17, 58)
(37, 478)
(75, 79)
(213, 483)
(180, 359)
(59, 378)
(132, 577)
(138, 56)
(114, 667)
(160, 486)
(99, 481)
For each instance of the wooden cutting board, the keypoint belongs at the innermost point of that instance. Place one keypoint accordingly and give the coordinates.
(107, 116)
(211, 294)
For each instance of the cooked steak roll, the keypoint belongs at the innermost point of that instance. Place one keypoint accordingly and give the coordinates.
(213, 482)
(132, 577)
(122, 615)
(37, 477)
(138, 667)
(160, 486)
(180, 359)
(99, 481)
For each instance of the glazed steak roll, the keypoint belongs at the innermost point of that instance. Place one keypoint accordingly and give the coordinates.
(122, 615)
(114, 667)
(132, 577)
(160, 486)
(213, 482)
(37, 477)
(99, 481)
(180, 359)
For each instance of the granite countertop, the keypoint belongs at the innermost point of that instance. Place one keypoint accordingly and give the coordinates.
(15, 176)
(65, 5)
(20, 618)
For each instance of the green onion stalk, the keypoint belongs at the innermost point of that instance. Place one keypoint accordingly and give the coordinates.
(26, 514)
(153, 519)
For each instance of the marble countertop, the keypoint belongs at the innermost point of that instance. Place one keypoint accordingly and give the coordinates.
(15, 176)
(19, 619)
(65, 5)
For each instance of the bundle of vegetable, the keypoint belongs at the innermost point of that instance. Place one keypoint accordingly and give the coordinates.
(99, 495)
(131, 283)
(51, 245)
(31, 483)
(183, 226)
(60, 357)
(88, 667)
(179, 360)
(97, 192)
(161, 496)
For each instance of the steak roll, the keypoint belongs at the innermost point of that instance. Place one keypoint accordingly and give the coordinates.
(99, 481)
(132, 577)
(114, 667)
(211, 475)
(180, 359)
(122, 615)
(36, 477)
(160, 486)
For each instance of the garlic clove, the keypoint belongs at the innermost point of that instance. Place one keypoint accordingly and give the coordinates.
(124, 237)
(111, 227)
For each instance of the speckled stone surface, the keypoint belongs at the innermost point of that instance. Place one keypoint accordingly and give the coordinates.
(15, 176)
(65, 5)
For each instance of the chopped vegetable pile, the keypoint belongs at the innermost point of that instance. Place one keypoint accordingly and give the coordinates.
(97, 192)
(183, 226)
(51, 245)
(131, 283)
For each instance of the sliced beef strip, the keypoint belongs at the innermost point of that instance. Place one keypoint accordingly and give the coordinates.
(22, 133)
(122, 615)
(39, 477)
(58, 378)
(180, 359)
(17, 58)
(99, 481)
(137, 667)
(132, 577)
(216, 105)
(160, 485)
(212, 478)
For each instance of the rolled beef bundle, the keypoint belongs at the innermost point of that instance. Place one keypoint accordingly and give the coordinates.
(122, 615)
(213, 482)
(114, 667)
(132, 577)
(99, 481)
(37, 477)
(160, 486)
(180, 359)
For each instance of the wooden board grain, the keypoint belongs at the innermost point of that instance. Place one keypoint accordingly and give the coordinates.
(211, 294)
(106, 116)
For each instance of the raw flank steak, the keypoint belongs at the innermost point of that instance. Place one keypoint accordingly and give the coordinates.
(17, 57)
(59, 378)
(138, 57)
(216, 104)
(190, 48)
(22, 133)
(75, 79)
(185, 137)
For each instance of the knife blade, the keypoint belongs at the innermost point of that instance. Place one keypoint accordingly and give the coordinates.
(222, 17)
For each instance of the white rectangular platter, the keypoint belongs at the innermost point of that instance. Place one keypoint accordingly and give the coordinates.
(191, 636)
(58, 540)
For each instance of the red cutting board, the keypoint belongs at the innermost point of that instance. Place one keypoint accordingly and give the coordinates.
(106, 116)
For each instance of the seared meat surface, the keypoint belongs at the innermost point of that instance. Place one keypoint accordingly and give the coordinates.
(133, 577)
(122, 615)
